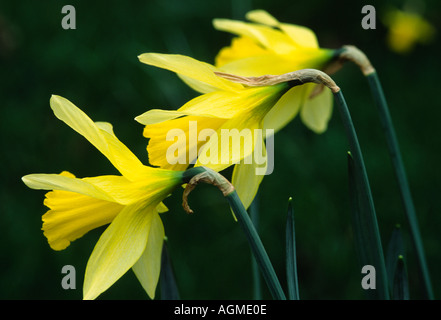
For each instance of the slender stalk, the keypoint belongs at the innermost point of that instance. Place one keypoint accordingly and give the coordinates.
(360, 171)
(256, 246)
(291, 259)
(257, 287)
(400, 173)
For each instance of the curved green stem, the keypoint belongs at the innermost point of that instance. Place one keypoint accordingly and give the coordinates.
(256, 246)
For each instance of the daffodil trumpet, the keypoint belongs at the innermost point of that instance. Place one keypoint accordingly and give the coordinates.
(356, 56)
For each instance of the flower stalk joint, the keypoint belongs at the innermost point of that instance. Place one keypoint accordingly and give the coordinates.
(208, 176)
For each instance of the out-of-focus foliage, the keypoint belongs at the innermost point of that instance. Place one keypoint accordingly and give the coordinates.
(96, 67)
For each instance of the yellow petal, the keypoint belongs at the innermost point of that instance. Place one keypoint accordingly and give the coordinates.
(72, 215)
(246, 181)
(118, 249)
(148, 267)
(241, 47)
(189, 67)
(301, 36)
(270, 38)
(161, 208)
(217, 104)
(197, 85)
(285, 109)
(65, 183)
(157, 115)
(317, 111)
(272, 63)
(263, 17)
(102, 138)
(259, 65)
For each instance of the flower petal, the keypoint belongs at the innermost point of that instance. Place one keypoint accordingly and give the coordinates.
(102, 137)
(148, 267)
(197, 85)
(241, 47)
(263, 17)
(72, 215)
(317, 111)
(189, 67)
(270, 38)
(118, 249)
(285, 109)
(246, 181)
(300, 35)
(157, 115)
(65, 182)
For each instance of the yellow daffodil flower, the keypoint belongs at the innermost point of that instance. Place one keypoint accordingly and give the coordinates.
(226, 106)
(130, 202)
(406, 29)
(267, 46)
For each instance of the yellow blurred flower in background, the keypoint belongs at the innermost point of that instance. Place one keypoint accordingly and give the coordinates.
(406, 30)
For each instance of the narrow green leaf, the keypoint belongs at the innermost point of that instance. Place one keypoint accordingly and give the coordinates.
(169, 289)
(394, 250)
(400, 173)
(401, 284)
(367, 240)
(291, 260)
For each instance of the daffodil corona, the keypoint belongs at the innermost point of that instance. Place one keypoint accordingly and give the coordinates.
(130, 202)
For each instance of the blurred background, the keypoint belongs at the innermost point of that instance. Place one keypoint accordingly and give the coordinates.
(96, 67)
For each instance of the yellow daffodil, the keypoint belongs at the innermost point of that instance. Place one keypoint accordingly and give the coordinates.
(267, 46)
(406, 29)
(226, 107)
(130, 202)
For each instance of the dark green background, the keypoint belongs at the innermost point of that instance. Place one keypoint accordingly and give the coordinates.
(96, 67)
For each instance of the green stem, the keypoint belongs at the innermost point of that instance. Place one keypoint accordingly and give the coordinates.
(291, 259)
(254, 214)
(400, 174)
(256, 246)
(360, 169)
